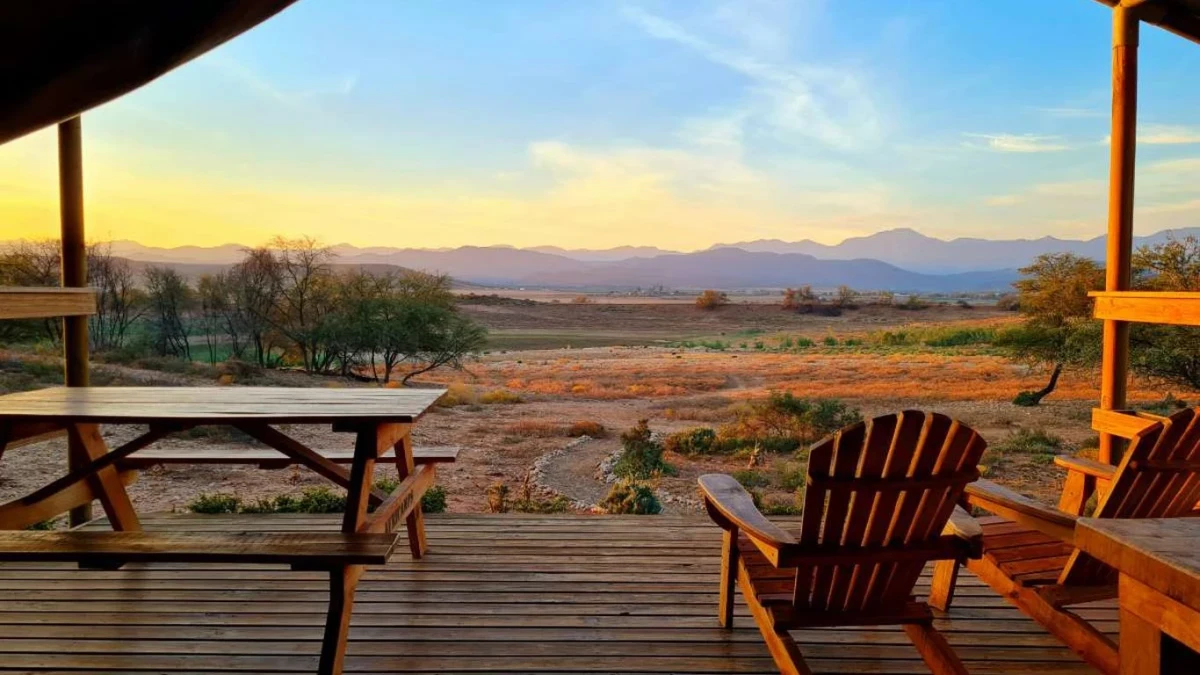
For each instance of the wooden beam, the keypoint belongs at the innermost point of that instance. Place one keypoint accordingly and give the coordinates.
(1181, 309)
(46, 303)
(74, 275)
(1114, 370)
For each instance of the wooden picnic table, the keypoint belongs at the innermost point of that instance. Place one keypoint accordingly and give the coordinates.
(1159, 564)
(381, 419)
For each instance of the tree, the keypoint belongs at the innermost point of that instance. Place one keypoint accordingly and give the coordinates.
(119, 302)
(1058, 329)
(169, 299)
(251, 289)
(1168, 354)
(305, 289)
(31, 263)
(711, 299)
(846, 297)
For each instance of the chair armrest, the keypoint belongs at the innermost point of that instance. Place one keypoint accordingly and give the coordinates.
(731, 507)
(1087, 467)
(1002, 501)
(965, 529)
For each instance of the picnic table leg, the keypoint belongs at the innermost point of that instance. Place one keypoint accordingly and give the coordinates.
(106, 483)
(415, 521)
(342, 583)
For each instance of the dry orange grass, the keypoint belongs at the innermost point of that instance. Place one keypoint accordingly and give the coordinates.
(611, 374)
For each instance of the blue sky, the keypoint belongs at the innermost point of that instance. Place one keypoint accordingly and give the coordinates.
(594, 123)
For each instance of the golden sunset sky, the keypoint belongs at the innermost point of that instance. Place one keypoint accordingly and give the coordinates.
(597, 124)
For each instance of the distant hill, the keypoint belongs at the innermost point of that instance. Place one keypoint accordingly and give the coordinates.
(912, 250)
(604, 255)
(900, 259)
(730, 268)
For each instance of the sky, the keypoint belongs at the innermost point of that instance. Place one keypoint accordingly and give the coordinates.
(600, 123)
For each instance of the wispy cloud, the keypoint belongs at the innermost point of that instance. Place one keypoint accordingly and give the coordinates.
(1189, 165)
(828, 104)
(1016, 142)
(1167, 134)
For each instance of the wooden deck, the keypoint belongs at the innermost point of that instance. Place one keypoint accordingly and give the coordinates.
(497, 594)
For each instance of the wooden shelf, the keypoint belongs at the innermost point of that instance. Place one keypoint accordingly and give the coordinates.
(1182, 309)
(18, 302)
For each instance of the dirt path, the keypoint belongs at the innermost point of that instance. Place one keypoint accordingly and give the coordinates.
(572, 471)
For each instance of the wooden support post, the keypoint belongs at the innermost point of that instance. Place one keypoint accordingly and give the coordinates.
(1114, 372)
(74, 275)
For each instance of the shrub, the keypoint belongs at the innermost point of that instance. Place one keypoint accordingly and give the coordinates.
(434, 500)
(458, 394)
(711, 299)
(750, 479)
(804, 343)
(696, 441)
(215, 503)
(499, 500)
(1029, 442)
(500, 396)
(913, 303)
(1167, 406)
(581, 300)
(1027, 399)
(534, 429)
(791, 475)
(1009, 302)
(497, 497)
(830, 341)
(775, 508)
(587, 428)
(641, 456)
(630, 497)
(785, 416)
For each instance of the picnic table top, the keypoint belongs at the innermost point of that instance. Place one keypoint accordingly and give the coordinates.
(217, 405)
(1163, 553)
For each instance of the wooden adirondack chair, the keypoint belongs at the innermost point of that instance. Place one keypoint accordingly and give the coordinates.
(1028, 551)
(880, 503)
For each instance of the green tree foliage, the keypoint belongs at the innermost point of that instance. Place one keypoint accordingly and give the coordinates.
(1058, 330)
(1168, 354)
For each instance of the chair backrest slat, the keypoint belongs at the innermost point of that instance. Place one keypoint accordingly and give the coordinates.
(1157, 478)
(878, 510)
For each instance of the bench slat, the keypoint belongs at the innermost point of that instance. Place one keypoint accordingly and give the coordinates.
(303, 549)
(268, 458)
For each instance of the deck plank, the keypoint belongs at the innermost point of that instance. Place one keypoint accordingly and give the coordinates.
(497, 594)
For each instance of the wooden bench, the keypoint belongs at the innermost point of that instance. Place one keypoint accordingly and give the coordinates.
(267, 458)
(341, 555)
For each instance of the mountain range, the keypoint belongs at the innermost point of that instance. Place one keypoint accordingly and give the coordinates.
(900, 259)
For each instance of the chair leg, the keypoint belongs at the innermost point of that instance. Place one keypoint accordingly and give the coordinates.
(783, 648)
(342, 583)
(934, 649)
(785, 651)
(729, 572)
(941, 591)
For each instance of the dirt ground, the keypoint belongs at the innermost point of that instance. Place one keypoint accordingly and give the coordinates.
(615, 386)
